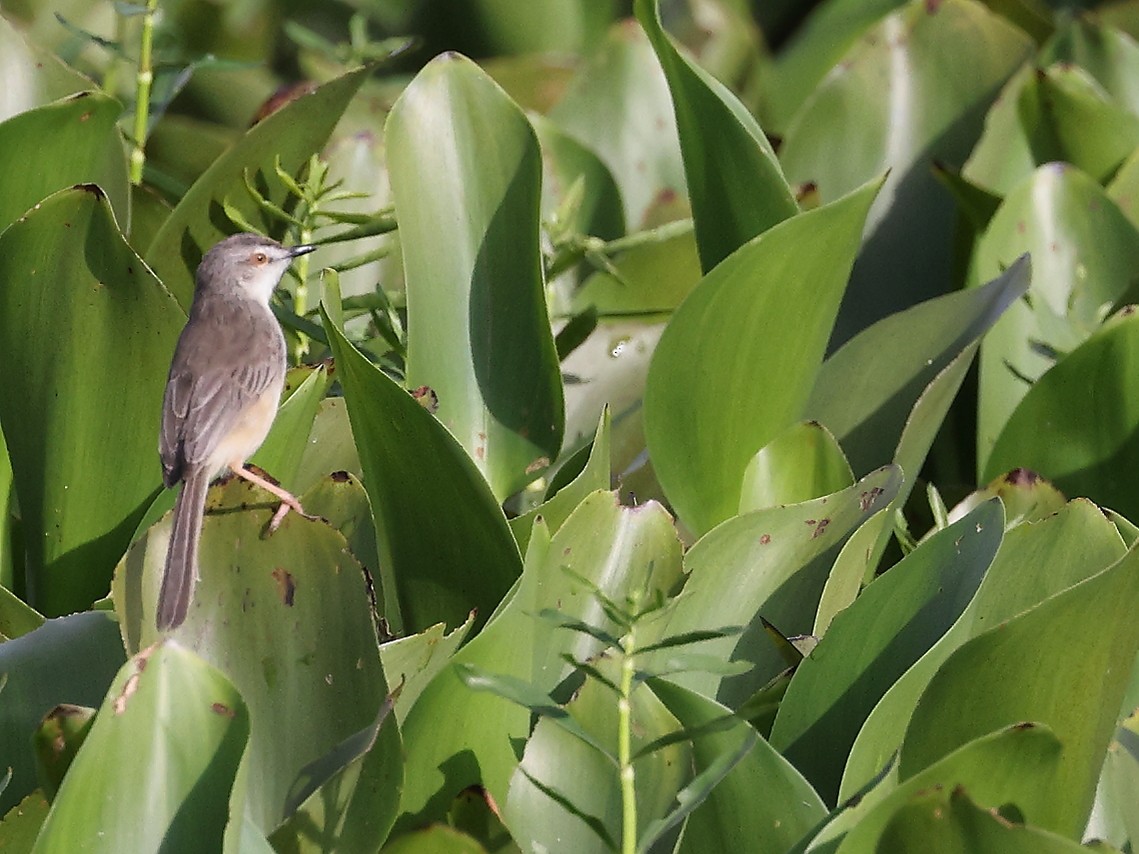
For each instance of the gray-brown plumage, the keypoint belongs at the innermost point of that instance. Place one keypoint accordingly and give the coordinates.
(221, 395)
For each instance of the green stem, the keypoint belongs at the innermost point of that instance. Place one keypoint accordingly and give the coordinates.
(625, 748)
(144, 80)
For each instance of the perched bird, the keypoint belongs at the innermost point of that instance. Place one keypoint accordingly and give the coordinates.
(221, 395)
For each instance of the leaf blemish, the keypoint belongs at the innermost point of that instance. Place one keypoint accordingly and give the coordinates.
(764, 539)
(286, 585)
(222, 709)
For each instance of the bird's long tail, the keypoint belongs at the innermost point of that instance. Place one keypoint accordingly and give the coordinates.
(182, 557)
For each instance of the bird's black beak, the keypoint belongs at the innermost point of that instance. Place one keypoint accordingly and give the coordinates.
(303, 249)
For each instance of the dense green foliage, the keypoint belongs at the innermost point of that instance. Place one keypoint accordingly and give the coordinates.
(719, 423)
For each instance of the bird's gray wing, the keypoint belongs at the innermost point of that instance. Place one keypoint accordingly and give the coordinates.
(221, 365)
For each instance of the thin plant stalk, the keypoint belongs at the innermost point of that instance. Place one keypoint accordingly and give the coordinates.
(143, 82)
(625, 746)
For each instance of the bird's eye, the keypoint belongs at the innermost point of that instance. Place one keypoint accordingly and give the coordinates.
(260, 258)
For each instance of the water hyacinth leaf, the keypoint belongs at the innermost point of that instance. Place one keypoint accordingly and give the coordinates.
(866, 391)
(595, 475)
(21, 825)
(1093, 463)
(16, 618)
(1011, 765)
(170, 734)
(67, 660)
(762, 802)
(411, 662)
(895, 620)
(35, 75)
(772, 564)
(290, 135)
(1026, 496)
(761, 320)
(57, 740)
(466, 169)
(735, 184)
(436, 839)
(1034, 562)
(893, 79)
(71, 141)
(1109, 55)
(618, 106)
(438, 527)
(1059, 113)
(1084, 253)
(1064, 663)
(799, 464)
(602, 544)
(851, 568)
(82, 322)
(286, 614)
(586, 779)
(1115, 816)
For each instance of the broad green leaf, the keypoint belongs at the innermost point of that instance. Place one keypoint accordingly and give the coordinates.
(866, 391)
(760, 321)
(1034, 562)
(895, 620)
(21, 824)
(86, 334)
(594, 476)
(1011, 765)
(438, 527)
(801, 463)
(1109, 55)
(1049, 432)
(763, 803)
(436, 839)
(282, 615)
(1064, 663)
(1026, 496)
(330, 447)
(588, 780)
(411, 662)
(618, 549)
(1115, 816)
(885, 106)
(1084, 254)
(67, 660)
(948, 822)
(157, 767)
(852, 568)
(281, 452)
(1059, 113)
(292, 135)
(72, 141)
(618, 106)
(35, 76)
(16, 618)
(466, 174)
(735, 184)
(770, 564)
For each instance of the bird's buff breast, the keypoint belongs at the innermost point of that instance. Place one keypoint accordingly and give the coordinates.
(248, 432)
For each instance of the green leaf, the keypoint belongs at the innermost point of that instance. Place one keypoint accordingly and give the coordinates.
(49, 148)
(760, 321)
(290, 135)
(618, 106)
(21, 825)
(67, 660)
(86, 332)
(261, 614)
(866, 391)
(171, 725)
(437, 839)
(801, 463)
(438, 527)
(770, 563)
(16, 618)
(735, 184)
(945, 820)
(35, 74)
(1107, 54)
(1064, 663)
(761, 803)
(413, 661)
(614, 548)
(868, 646)
(594, 476)
(1082, 461)
(466, 174)
(58, 740)
(585, 779)
(1115, 816)
(1034, 562)
(1084, 256)
(884, 107)
(1012, 765)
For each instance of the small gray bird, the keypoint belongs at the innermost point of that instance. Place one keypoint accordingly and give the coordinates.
(221, 396)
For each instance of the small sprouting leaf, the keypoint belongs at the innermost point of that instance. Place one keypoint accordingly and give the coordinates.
(592, 822)
(565, 621)
(685, 638)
